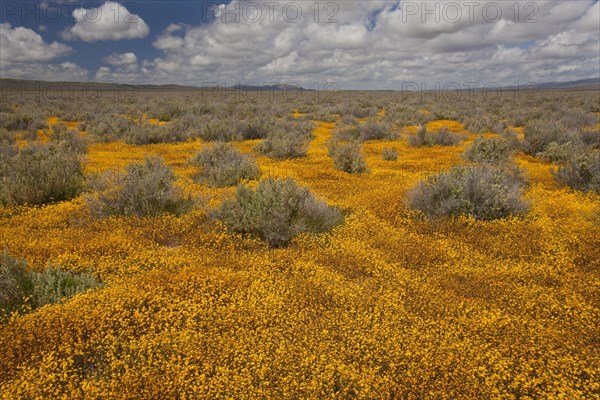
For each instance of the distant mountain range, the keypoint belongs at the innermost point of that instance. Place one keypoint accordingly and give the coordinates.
(20, 84)
(571, 84)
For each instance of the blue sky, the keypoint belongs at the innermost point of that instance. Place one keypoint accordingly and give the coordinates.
(357, 44)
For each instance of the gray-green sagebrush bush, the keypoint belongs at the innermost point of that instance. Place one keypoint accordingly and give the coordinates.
(484, 192)
(222, 165)
(558, 152)
(370, 130)
(581, 172)
(493, 150)
(540, 133)
(443, 137)
(276, 211)
(287, 139)
(22, 121)
(347, 156)
(20, 286)
(146, 189)
(42, 173)
(389, 154)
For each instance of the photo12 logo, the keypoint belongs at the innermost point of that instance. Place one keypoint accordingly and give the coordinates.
(469, 11)
(89, 92)
(254, 12)
(69, 12)
(468, 90)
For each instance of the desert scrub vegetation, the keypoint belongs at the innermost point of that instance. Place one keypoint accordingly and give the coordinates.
(287, 139)
(276, 211)
(253, 128)
(146, 189)
(559, 153)
(581, 172)
(222, 165)
(389, 154)
(20, 286)
(42, 173)
(22, 122)
(483, 191)
(106, 128)
(540, 133)
(370, 130)
(347, 156)
(493, 150)
(152, 134)
(443, 137)
(13, 282)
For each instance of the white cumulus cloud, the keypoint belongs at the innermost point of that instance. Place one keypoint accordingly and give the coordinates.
(121, 59)
(110, 21)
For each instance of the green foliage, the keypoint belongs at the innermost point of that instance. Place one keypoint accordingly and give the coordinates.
(22, 122)
(222, 165)
(389, 154)
(146, 189)
(540, 133)
(490, 150)
(54, 284)
(557, 152)
(14, 282)
(152, 134)
(372, 130)
(288, 139)
(19, 286)
(105, 128)
(277, 211)
(443, 137)
(481, 191)
(348, 157)
(42, 173)
(582, 172)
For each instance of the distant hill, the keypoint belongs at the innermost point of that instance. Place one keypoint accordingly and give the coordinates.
(582, 84)
(22, 84)
(12, 84)
(571, 84)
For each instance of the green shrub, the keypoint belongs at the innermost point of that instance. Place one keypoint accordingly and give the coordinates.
(222, 165)
(513, 140)
(557, 152)
(23, 122)
(582, 172)
(539, 134)
(372, 130)
(69, 138)
(7, 145)
(287, 140)
(590, 137)
(443, 137)
(277, 211)
(481, 191)
(253, 128)
(152, 134)
(348, 157)
(53, 284)
(389, 154)
(217, 130)
(144, 190)
(41, 173)
(347, 132)
(489, 150)
(106, 128)
(14, 282)
(19, 286)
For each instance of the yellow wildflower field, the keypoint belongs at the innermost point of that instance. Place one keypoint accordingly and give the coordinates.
(388, 305)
